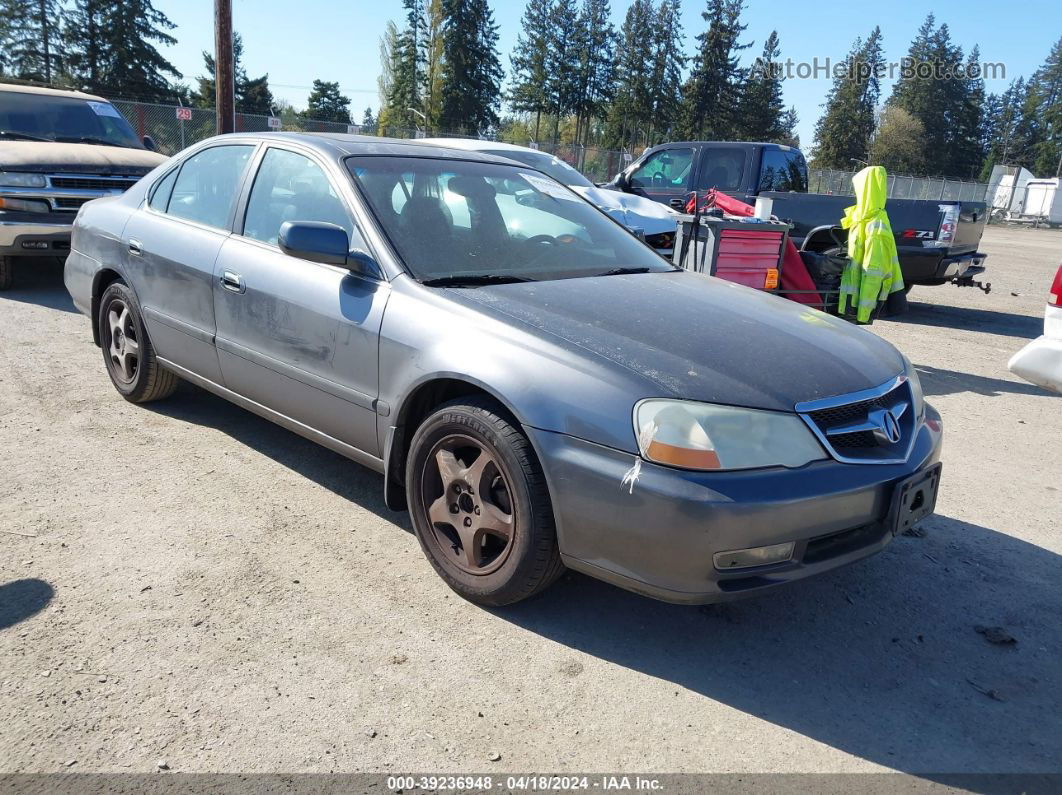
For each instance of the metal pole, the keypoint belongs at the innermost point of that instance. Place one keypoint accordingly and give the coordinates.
(224, 78)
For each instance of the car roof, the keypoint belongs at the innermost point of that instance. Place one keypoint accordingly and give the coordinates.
(19, 88)
(342, 144)
(477, 145)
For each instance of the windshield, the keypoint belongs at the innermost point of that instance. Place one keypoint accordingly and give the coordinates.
(459, 219)
(546, 163)
(51, 118)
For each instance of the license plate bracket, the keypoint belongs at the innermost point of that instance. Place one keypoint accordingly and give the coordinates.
(915, 498)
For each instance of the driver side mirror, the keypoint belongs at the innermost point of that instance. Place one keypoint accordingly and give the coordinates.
(149, 143)
(314, 241)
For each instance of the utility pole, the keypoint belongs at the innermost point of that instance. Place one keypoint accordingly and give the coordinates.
(224, 79)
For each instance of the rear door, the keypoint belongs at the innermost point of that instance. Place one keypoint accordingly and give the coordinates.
(296, 336)
(172, 243)
(723, 168)
(666, 175)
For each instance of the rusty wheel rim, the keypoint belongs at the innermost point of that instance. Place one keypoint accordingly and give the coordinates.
(469, 505)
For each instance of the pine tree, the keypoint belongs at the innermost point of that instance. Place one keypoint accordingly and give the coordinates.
(472, 72)
(327, 103)
(252, 94)
(33, 47)
(528, 61)
(665, 82)
(967, 149)
(1042, 116)
(137, 69)
(389, 54)
(760, 106)
(790, 120)
(89, 58)
(561, 59)
(710, 94)
(932, 95)
(631, 111)
(842, 133)
(368, 123)
(407, 78)
(432, 60)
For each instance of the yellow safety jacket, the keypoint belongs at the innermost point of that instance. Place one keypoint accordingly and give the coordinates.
(873, 270)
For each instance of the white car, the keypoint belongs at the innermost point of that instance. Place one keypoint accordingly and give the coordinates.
(1040, 362)
(656, 221)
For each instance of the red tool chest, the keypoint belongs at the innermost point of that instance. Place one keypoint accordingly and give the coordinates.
(746, 252)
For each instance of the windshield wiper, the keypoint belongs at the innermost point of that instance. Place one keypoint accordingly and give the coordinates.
(86, 139)
(623, 271)
(473, 279)
(23, 136)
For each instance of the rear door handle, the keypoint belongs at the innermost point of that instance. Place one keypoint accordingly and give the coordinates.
(135, 247)
(232, 281)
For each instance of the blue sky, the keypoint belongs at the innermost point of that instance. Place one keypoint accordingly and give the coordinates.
(297, 42)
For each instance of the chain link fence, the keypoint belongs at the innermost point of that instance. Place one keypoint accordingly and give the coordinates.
(173, 127)
(901, 186)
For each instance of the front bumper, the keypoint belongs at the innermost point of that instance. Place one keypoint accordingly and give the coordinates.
(27, 235)
(655, 530)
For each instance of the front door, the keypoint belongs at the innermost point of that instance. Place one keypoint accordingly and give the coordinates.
(299, 337)
(665, 176)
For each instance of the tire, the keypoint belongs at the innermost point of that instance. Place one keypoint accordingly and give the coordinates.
(127, 352)
(447, 479)
(7, 273)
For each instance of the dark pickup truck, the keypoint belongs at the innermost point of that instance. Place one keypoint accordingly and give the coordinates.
(936, 240)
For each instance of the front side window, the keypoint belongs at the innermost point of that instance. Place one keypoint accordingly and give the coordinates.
(458, 218)
(49, 117)
(291, 187)
(666, 171)
(207, 183)
(783, 170)
(722, 168)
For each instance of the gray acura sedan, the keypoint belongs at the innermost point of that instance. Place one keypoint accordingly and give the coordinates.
(538, 387)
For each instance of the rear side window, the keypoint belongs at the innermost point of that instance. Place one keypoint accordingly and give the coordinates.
(783, 171)
(722, 168)
(161, 197)
(207, 184)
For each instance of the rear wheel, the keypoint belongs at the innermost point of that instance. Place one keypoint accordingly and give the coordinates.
(480, 506)
(7, 273)
(127, 351)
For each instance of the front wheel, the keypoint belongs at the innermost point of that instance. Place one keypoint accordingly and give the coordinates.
(480, 506)
(127, 351)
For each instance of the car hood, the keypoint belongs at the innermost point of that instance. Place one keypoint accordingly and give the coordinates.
(632, 211)
(699, 338)
(77, 158)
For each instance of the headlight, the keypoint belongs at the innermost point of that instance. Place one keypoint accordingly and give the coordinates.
(21, 179)
(691, 435)
(916, 389)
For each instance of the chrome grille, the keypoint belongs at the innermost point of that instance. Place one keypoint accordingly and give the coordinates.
(855, 428)
(73, 182)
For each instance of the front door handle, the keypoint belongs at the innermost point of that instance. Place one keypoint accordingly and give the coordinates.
(678, 204)
(232, 281)
(135, 247)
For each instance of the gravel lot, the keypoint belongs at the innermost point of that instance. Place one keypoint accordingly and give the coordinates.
(189, 583)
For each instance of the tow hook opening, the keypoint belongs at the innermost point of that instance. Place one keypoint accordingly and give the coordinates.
(918, 500)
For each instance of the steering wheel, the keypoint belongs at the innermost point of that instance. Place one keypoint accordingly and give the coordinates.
(548, 239)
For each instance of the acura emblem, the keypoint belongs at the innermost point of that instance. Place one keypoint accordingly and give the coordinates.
(887, 427)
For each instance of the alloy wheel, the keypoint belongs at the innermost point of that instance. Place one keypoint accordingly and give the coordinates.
(124, 348)
(469, 504)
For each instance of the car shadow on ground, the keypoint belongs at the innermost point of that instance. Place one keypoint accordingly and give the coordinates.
(987, 321)
(880, 660)
(937, 381)
(21, 599)
(349, 480)
(40, 282)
